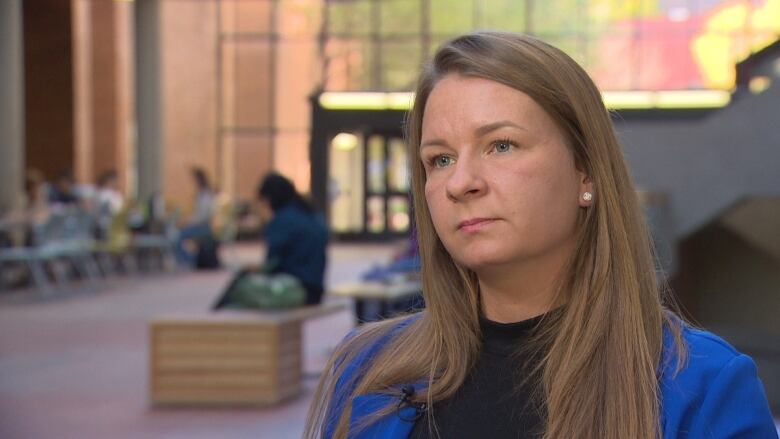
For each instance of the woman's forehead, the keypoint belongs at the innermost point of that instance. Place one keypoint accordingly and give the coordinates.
(460, 104)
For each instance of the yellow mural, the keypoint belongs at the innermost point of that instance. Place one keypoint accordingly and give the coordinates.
(731, 34)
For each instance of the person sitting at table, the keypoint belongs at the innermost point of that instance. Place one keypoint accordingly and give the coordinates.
(295, 234)
(63, 191)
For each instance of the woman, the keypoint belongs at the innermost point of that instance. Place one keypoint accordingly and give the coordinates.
(198, 226)
(296, 236)
(544, 317)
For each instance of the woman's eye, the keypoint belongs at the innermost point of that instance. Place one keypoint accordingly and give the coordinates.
(441, 161)
(502, 146)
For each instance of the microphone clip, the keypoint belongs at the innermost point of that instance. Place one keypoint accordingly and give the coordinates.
(407, 392)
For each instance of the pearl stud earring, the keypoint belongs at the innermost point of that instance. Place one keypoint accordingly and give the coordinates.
(587, 196)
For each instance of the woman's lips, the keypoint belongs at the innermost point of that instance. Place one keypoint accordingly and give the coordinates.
(474, 224)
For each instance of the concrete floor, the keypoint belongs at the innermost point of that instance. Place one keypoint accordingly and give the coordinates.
(76, 365)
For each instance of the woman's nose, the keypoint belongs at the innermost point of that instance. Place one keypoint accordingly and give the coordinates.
(465, 181)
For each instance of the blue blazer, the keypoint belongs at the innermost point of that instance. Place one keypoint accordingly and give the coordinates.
(717, 395)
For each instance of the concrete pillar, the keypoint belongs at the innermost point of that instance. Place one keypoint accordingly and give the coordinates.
(11, 104)
(148, 85)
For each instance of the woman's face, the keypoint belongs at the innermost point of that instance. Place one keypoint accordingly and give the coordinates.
(501, 182)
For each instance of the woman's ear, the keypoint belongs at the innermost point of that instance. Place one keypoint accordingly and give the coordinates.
(587, 194)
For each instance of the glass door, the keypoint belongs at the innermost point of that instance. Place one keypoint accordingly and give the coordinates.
(345, 183)
(368, 184)
(387, 194)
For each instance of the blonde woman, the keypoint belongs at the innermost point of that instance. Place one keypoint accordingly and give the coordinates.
(544, 318)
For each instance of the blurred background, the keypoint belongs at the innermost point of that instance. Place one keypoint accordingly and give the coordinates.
(107, 106)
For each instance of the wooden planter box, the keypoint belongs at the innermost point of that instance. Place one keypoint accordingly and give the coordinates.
(228, 357)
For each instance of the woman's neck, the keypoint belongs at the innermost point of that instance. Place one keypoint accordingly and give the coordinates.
(505, 308)
(516, 293)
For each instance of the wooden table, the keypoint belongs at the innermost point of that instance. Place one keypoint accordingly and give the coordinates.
(229, 357)
(387, 295)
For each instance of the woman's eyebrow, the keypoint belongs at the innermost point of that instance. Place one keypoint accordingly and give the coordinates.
(432, 142)
(479, 132)
(485, 129)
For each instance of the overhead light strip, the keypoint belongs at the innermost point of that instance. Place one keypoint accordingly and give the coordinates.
(616, 100)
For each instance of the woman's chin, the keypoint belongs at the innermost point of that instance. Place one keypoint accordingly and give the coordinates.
(477, 263)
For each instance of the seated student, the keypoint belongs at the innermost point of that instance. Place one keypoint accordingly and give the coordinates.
(296, 235)
(543, 318)
(198, 225)
(63, 191)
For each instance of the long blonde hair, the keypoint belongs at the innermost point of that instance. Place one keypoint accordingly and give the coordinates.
(603, 349)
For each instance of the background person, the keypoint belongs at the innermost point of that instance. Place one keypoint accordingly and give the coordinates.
(63, 191)
(198, 225)
(295, 234)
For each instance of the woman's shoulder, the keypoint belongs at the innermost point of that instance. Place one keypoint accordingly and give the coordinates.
(367, 340)
(354, 355)
(697, 357)
(703, 350)
(709, 386)
(362, 344)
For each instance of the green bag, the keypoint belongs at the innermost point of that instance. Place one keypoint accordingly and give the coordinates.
(266, 291)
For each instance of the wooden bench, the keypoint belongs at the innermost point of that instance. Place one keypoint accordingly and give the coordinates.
(229, 357)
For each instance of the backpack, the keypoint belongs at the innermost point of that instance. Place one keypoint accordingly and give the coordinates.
(251, 290)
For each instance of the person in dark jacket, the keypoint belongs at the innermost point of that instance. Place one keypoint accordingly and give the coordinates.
(295, 234)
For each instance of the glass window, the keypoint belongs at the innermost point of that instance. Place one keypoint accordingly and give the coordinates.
(548, 19)
(509, 15)
(349, 64)
(400, 64)
(449, 17)
(399, 17)
(347, 18)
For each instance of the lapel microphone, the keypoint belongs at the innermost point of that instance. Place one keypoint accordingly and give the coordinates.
(407, 392)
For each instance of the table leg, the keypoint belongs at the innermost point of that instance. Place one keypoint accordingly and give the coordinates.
(360, 311)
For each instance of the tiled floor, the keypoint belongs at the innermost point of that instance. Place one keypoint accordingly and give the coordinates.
(75, 366)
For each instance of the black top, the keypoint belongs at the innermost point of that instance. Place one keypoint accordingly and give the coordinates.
(498, 399)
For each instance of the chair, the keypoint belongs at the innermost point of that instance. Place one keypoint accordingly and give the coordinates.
(115, 247)
(63, 237)
(158, 244)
